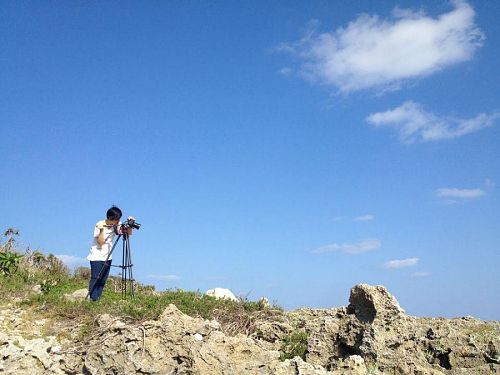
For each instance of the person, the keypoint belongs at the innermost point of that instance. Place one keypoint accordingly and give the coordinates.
(100, 253)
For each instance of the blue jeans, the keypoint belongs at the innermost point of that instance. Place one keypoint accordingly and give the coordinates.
(96, 286)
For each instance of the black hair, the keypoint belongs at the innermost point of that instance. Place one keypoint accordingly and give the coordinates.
(114, 213)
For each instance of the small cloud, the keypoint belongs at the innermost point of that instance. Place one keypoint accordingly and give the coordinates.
(420, 274)
(401, 263)
(350, 248)
(164, 277)
(73, 261)
(463, 194)
(338, 218)
(414, 124)
(286, 71)
(364, 218)
(371, 52)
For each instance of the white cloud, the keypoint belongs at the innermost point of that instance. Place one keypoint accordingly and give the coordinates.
(164, 277)
(420, 274)
(371, 52)
(364, 218)
(414, 124)
(72, 261)
(286, 71)
(400, 263)
(350, 248)
(460, 193)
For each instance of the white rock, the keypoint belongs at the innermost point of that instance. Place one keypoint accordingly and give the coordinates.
(37, 289)
(79, 294)
(214, 324)
(55, 349)
(198, 337)
(222, 293)
(118, 325)
(357, 360)
(40, 322)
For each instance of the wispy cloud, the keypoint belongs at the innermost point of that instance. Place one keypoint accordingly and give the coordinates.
(364, 218)
(286, 71)
(371, 52)
(350, 248)
(401, 263)
(164, 277)
(414, 124)
(73, 261)
(462, 194)
(420, 274)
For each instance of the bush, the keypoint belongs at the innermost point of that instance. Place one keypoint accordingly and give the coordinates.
(82, 273)
(294, 345)
(9, 262)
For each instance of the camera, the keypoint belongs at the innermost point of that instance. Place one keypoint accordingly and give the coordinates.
(130, 223)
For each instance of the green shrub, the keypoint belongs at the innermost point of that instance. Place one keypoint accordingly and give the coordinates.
(295, 344)
(82, 273)
(9, 262)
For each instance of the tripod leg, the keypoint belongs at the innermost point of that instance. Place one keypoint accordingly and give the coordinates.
(129, 264)
(124, 270)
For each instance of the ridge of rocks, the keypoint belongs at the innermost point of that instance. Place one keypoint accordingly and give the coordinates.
(372, 335)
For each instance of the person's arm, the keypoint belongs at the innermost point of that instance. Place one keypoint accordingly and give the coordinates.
(100, 237)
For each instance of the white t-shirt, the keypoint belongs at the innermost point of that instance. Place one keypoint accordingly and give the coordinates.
(101, 252)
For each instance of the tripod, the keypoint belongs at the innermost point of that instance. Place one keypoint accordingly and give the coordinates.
(126, 266)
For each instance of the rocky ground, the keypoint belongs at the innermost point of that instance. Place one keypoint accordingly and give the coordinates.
(372, 335)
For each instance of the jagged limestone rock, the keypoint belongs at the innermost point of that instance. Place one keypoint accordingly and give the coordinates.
(372, 335)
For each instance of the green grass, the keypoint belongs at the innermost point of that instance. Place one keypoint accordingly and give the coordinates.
(55, 280)
(235, 317)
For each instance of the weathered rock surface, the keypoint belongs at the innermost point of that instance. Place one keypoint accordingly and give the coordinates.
(79, 294)
(372, 335)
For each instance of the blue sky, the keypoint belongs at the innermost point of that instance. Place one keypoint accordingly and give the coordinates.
(285, 149)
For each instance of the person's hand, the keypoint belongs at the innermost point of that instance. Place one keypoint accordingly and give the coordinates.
(103, 225)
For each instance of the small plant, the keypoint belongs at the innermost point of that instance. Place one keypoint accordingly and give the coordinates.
(9, 262)
(47, 285)
(82, 273)
(294, 345)
(11, 235)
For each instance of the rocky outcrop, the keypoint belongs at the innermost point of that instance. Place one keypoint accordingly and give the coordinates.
(372, 335)
(376, 328)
